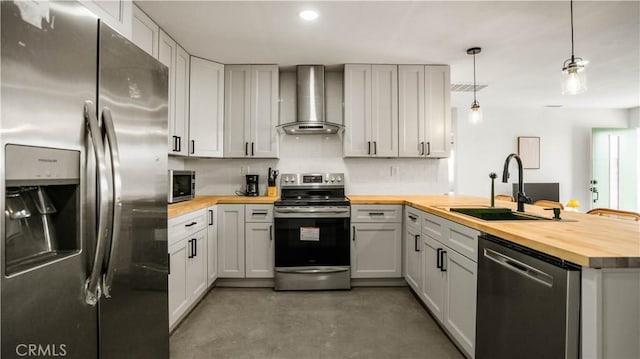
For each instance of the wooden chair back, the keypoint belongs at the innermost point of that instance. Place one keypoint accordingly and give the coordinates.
(615, 213)
(548, 204)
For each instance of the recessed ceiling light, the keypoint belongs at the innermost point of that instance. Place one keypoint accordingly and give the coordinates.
(308, 15)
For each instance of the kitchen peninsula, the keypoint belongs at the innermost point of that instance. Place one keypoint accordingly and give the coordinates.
(606, 249)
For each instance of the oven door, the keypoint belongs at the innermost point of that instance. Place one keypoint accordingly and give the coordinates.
(303, 242)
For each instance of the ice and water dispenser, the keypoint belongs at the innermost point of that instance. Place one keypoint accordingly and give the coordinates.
(42, 206)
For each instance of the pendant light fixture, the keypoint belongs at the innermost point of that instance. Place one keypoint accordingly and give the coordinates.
(574, 76)
(475, 115)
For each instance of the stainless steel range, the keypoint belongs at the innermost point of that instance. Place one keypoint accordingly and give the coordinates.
(312, 221)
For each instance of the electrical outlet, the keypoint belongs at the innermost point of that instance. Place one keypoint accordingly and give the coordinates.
(395, 171)
(244, 170)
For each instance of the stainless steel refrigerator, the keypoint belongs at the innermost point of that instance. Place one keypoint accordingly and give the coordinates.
(83, 165)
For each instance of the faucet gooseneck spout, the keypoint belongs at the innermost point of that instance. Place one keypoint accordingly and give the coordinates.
(521, 197)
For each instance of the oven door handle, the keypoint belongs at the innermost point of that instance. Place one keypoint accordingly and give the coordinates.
(312, 270)
(346, 210)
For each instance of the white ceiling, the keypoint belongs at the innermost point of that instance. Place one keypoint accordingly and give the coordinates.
(524, 43)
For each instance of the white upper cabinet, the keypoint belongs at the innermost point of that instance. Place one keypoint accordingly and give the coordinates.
(145, 32)
(115, 13)
(206, 108)
(357, 110)
(181, 102)
(437, 110)
(177, 60)
(424, 111)
(251, 111)
(167, 56)
(371, 110)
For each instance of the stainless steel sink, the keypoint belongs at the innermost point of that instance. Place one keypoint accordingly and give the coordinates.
(498, 214)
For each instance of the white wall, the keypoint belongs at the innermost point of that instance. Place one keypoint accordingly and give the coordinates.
(565, 148)
(321, 153)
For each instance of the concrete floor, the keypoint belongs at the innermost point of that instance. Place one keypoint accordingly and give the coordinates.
(261, 323)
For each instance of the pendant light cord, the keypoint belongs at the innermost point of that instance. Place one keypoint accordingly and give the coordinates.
(572, 56)
(474, 77)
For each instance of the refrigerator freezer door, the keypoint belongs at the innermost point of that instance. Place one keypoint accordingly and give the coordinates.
(48, 67)
(133, 90)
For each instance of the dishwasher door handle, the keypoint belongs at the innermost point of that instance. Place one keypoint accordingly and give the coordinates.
(519, 267)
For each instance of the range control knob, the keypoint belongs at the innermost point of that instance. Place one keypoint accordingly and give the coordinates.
(333, 179)
(339, 179)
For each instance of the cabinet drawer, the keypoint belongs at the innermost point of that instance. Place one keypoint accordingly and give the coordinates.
(377, 214)
(187, 224)
(462, 239)
(256, 213)
(412, 219)
(433, 226)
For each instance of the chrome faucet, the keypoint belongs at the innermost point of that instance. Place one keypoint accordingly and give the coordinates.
(521, 197)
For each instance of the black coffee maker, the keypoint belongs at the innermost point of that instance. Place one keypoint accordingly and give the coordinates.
(252, 185)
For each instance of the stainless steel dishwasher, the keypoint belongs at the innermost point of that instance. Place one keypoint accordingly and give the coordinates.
(528, 303)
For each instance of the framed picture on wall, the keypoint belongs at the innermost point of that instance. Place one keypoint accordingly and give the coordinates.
(529, 152)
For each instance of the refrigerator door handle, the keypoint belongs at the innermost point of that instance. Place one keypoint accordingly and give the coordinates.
(92, 285)
(114, 152)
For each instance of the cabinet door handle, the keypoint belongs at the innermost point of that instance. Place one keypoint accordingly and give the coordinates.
(368, 147)
(246, 148)
(417, 238)
(195, 247)
(438, 259)
(179, 143)
(193, 146)
(413, 218)
(252, 149)
(191, 224)
(353, 238)
(376, 213)
(375, 147)
(175, 143)
(422, 148)
(211, 217)
(190, 250)
(428, 148)
(271, 232)
(442, 260)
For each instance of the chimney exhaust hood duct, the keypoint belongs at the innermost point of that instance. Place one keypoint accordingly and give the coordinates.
(310, 104)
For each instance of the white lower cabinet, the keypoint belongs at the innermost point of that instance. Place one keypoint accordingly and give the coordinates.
(178, 295)
(376, 241)
(197, 265)
(259, 250)
(187, 263)
(245, 241)
(212, 245)
(444, 279)
(412, 246)
(460, 299)
(376, 250)
(188, 274)
(433, 277)
(231, 241)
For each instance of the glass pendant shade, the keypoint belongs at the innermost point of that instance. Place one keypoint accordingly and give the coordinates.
(475, 113)
(574, 77)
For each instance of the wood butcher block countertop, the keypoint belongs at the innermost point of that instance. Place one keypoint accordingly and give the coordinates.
(587, 240)
(177, 209)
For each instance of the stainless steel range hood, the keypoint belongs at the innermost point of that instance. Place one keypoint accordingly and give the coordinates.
(310, 104)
